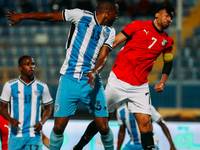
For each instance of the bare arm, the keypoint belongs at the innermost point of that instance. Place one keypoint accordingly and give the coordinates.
(119, 38)
(17, 17)
(167, 134)
(98, 66)
(121, 135)
(46, 115)
(4, 113)
(45, 140)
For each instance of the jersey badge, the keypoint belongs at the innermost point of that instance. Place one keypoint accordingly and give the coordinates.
(37, 92)
(164, 42)
(56, 107)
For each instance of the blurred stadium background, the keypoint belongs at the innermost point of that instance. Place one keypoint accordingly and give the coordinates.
(45, 42)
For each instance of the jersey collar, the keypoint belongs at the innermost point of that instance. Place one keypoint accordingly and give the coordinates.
(157, 29)
(25, 82)
(95, 18)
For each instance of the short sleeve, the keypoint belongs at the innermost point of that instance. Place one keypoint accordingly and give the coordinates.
(46, 97)
(72, 15)
(111, 38)
(6, 93)
(119, 119)
(155, 116)
(130, 29)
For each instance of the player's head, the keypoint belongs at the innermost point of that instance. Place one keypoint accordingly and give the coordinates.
(109, 9)
(164, 15)
(26, 65)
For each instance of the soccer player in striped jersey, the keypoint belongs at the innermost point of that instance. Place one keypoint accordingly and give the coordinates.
(89, 43)
(127, 121)
(145, 41)
(25, 96)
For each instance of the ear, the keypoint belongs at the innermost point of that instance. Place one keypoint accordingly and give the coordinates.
(157, 15)
(19, 68)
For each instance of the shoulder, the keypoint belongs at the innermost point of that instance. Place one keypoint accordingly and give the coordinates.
(12, 81)
(40, 82)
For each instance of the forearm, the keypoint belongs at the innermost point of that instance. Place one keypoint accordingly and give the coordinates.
(166, 132)
(46, 114)
(164, 78)
(39, 16)
(4, 111)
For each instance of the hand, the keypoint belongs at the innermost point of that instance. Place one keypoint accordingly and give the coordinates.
(38, 126)
(159, 87)
(14, 123)
(91, 78)
(15, 17)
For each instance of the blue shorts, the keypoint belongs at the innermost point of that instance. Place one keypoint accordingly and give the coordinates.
(130, 146)
(71, 91)
(25, 143)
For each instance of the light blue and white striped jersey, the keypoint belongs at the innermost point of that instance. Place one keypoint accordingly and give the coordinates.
(128, 119)
(25, 104)
(84, 43)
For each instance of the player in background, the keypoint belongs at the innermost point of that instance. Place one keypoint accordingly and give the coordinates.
(4, 133)
(25, 96)
(127, 121)
(145, 41)
(89, 43)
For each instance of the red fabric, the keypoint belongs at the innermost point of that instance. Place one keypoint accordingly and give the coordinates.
(135, 61)
(4, 133)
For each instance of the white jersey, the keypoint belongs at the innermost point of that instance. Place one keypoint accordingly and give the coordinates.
(128, 119)
(25, 104)
(84, 43)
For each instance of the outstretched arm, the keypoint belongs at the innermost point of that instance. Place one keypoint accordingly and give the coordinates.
(167, 134)
(121, 135)
(17, 17)
(98, 66)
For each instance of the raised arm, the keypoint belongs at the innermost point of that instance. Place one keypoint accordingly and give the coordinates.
(18, 17)
(167, 134)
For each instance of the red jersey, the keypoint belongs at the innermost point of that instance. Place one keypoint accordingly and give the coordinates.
(4, 133)
(145, 43)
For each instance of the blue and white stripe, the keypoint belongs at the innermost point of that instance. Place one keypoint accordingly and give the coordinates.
(25, 104)
(86, 39)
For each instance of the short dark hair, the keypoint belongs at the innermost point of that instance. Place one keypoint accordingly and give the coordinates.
(103, 5)
(20, 60)
(168, 7)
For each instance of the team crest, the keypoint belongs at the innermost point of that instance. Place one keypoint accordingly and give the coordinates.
(56, 107)
(164, 42)
(37, 92)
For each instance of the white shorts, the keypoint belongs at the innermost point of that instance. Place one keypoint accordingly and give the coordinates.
(118, 92)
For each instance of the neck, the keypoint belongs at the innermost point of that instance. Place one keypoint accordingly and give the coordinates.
(157, 25)
(101, 18)
(27, 79)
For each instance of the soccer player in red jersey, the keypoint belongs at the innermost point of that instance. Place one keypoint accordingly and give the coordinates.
(145, 41)
(4, 133)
